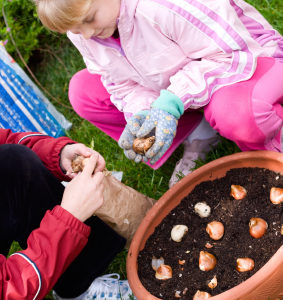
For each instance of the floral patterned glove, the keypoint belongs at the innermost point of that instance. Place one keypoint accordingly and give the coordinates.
(165, 125)
(163, 119)
(129, 134)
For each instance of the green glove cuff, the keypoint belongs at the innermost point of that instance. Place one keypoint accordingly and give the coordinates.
(143, 112)
(169, 102)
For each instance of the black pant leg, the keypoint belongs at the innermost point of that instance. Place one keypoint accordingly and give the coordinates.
(103, 245)
(27, 190)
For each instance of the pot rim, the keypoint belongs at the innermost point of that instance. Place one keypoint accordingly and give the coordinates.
(254, 159)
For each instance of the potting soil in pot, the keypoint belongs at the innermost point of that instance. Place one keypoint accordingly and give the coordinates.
(183, 257)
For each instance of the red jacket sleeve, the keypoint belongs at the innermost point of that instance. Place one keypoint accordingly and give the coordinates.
(31, 273)
(47, 148)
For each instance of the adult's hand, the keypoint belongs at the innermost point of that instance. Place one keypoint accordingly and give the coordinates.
(83, 195)
(70, 151)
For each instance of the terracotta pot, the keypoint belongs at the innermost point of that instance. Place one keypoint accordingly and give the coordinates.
(267, 283)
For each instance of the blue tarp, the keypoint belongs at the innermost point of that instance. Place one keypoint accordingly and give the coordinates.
(22, 106)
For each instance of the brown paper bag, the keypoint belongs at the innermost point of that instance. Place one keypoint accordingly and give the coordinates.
(123, 208)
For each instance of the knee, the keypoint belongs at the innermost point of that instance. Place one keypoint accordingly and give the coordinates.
(222, 117)
(76, 91)
(17, 158)
(86, 93)
(234, 123)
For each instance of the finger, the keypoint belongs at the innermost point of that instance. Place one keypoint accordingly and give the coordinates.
(130, 154)
(98, 178)
(135, 123)
(100, 186)
(146, 128)
(71, 174)
(68, 167)
(100, 164)
(155, 148)
(126, 139)
(138, 158)
(90, 164)
(98, 182)
(83, 150)
(158, 155)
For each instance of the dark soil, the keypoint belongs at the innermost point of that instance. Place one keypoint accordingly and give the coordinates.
(236, 242)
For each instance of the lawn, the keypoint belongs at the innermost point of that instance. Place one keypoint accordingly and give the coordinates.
(54, 65)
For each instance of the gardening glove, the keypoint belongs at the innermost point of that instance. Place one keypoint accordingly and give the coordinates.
(163, 118)
(129, 134)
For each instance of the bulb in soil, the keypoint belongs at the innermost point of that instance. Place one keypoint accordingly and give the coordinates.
(207, 261)
(245, 264)
(156, 262)
(202, 209)
(178, 294)
(258, 227)
(164, 272)
(276, 195)
(178, 232)
(238, 192)
(182, 262)
(208, 245)
(141, 145)
(213, 282)
(199, 295)
(215, 229)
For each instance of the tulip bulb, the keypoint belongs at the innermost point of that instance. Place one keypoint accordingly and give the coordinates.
(202, 209)
(177, 294)
(215, 229)
(178, 232)
(238, 192)
(141, 145)
(213, 282)
(207, 261)
(156, 262)
(199, 295)
(258, 227)
(78, 163)
(164, 272)
(276, 195)
(245, 264)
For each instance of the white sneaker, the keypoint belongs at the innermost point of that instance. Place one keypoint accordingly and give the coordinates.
(193, 151)
(106, 287)
(109, 287)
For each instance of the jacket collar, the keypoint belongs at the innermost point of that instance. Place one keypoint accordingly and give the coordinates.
(127, 14)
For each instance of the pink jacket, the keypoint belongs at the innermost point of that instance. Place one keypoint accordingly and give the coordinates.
(190, 47)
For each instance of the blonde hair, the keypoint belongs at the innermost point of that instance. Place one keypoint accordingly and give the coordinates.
(60, 15)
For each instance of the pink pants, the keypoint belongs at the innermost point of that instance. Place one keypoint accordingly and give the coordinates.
(249, 112)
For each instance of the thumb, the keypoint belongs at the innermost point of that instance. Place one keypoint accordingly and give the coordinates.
(135, 123)
(146, 128)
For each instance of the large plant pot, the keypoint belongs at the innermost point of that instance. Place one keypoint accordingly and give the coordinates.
(265, 284)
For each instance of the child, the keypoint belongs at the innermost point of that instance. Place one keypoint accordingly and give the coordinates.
(60, 250)
(161, 61)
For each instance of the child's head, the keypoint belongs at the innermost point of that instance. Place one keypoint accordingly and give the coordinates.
(87, 17)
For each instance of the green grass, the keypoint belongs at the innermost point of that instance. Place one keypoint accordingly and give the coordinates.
(57, 65)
